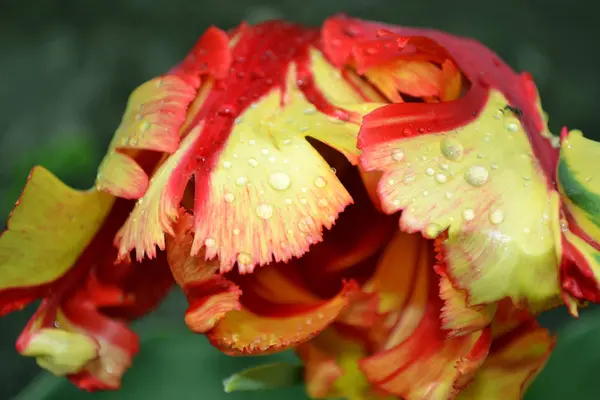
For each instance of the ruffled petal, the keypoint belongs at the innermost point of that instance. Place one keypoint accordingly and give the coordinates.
(262, 192)
(515, 358)
(47, 231)
(154, 115)
(278, 312)
(209, 294)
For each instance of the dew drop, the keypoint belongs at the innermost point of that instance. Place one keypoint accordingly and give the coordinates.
(265, 151)
(288, 201)
(252, 141)
(409, 178)
(236, 231)
(226, 164)
(397, 155)
(144, 126)
(452, 149)
(496, 217)
(229, 197)
(468, 214)
(512, 127)
(272, 160)
(279, 180)
(477, 175)
(209, 242)
(310, 110)
(322, 202)
(444, 167)
(241, 181)
(441, 178)
(252, 162)
(264, 211)
(303, 200)
(320, 182)
(430, 171)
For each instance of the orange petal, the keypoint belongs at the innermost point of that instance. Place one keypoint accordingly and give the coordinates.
(278, 313)
(209, 294)
(451, 81)
(513, 362)
(47, 231)
(414, 78)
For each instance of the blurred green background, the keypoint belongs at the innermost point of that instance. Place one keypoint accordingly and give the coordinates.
(67, 67)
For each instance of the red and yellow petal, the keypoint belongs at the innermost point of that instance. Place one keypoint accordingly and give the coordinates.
(155, 114)
(260, 187)
(47, 231)
(475, 180)
(417, 359)
(209, 294)
(514, 360)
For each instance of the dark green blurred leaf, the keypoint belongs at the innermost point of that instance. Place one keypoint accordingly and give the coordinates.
(268, 376)
(572, 371)
(171, 365)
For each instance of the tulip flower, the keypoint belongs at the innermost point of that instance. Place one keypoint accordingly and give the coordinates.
(266, 174)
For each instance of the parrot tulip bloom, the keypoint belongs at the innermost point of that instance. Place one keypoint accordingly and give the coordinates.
(266, 174)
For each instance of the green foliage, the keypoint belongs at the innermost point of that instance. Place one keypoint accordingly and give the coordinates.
(267, 376)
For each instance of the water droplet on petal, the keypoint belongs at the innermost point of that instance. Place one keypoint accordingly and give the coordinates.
(468, 214)
(209, 242)
(236, 231)
(441, 178)
(279, 180)
(320, 182)
(226, 164)
(264, 211)
(477, 175)
(288, 201)
(430, 171)
(241, 181)
(323, 202)
(409, 178)
(229, 197)
(512, 127)
(452, 149)
(496, 217)
(397, 155)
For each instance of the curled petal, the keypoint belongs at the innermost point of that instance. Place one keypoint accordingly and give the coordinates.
(514, 360)
(209, 294)
(155, 113)
(278, 312)
(47, 231)
(245, 146)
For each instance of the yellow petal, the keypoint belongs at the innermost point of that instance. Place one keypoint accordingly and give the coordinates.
(47, 231)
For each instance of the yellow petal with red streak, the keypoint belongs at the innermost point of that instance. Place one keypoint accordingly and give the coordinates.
(483, 184)
(514, 361)
(48, 229)
(155, 112)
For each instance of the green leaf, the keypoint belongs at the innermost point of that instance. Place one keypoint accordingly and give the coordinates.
(268, 376)
(572, 370)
